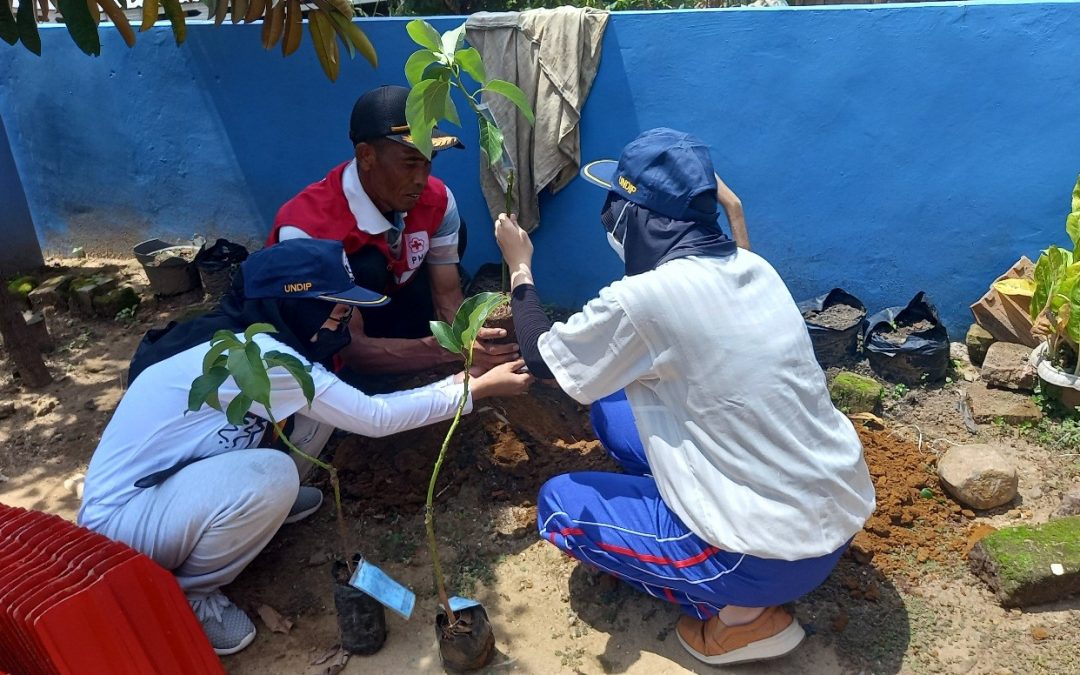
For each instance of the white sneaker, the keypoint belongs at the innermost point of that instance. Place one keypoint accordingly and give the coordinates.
(228, 628)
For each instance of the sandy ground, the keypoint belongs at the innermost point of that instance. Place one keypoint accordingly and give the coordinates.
(903, 611)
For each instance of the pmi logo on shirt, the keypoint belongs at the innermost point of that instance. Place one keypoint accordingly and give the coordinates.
(299, 287)
(627, 185)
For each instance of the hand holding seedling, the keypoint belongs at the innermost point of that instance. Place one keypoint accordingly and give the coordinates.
(488, 354)
(504, 379)
(516, 247)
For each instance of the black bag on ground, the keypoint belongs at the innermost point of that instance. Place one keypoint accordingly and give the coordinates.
(834, 321)
(217, 264)
(908, 344)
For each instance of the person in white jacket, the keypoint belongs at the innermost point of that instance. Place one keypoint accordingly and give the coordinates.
(202, 496)
(742, 484)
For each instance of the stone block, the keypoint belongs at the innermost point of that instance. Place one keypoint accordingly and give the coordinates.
(853, 393)
(1006, 366)
(50, 293)
(978, 340)
(1070, 503)
(85, 289)
(109, 304)
(989, 405)
(978, 475)
(1028, 565)
(39, 330)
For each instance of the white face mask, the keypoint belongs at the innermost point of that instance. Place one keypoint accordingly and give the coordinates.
(617, 244)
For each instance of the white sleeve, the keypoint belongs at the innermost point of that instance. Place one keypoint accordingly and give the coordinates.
(291, 232)
(382, 415)
(597, 351)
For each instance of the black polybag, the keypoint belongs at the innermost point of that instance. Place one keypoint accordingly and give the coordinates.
(833, 344)
(217, 264)
(922, 357)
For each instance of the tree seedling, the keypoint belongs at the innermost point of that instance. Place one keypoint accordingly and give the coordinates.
(434, 71)
(466, 640)
(244, 361)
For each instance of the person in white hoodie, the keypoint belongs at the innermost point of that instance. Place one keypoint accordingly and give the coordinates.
(201, 496)
(743, 484)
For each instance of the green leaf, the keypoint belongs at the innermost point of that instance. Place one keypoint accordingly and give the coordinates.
(423, 108)
(491, 141)
(228, 337)
(176, 18)
(1071, 290)
(256, 328)
(204, 389)
(213, 355)
(423, 34)
(211, 6)
(322, 37)
(516, 96)
(418, 61)
(1049, 270)
(471, 62)
(238, 409)
(452, 40)
(473, 313)
(26, 21)
(444, 335)
(249, 371)
(450, 110)
(9, 30)
(300, 371)
(1072, 221)
(437, 71)
(81, 25)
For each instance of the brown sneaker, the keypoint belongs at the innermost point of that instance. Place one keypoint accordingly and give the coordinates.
(771, 635)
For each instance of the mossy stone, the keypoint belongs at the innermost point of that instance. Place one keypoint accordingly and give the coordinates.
(1028, 565)
(109, 304)
(21, 286)
(854, 393)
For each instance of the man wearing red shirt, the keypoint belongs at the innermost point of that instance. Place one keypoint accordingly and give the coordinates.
(402, 235)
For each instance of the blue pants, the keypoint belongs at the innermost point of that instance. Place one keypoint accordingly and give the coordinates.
(619, 524)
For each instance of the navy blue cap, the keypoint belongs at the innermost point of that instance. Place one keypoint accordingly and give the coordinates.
(305, 268)
(663, 170)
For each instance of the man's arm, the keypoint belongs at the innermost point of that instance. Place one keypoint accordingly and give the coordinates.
(445, 290)
(391, 355)
(733, 209)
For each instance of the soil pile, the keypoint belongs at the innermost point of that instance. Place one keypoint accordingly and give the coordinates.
(835, 316)
(507, 446)
(914, 521)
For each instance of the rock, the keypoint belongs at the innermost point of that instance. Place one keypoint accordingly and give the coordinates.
(989, 405)
(1006, 366)
(515, 521)
(111, 303)
(50, 293)
(978, 341)
(44, 405)
(1070, 503)
(961, 362)
(978, 475)
(1028, 565)
(853, 393)
(85, 289)
(7, 409)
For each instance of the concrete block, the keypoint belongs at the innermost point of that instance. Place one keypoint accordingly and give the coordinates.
(978, 340)
(1006, 366)
(85, 289)
(1027, 565)
(50, 293)
(853, 393)
(989, 405)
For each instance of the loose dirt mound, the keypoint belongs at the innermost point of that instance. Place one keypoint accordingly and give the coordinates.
(914, 521)
(507, 446)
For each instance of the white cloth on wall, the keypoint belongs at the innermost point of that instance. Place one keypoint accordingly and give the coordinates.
(553, 56)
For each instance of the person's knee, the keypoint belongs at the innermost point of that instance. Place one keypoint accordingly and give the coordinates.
(549, 502)
(273, 478)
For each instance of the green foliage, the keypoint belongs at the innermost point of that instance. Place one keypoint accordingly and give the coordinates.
(460, 337)
(244, 361)
(126, 315)
(26, 21)
(899, 390)
(435, 70)
(81, 25)
(1055, 299)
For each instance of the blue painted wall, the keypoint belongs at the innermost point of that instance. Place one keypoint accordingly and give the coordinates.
(883, 149)
(21, 251)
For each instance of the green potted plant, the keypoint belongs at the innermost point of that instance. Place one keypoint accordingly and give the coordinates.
(361, 619)
(1054, 307)
(434, 71)
(466, 640)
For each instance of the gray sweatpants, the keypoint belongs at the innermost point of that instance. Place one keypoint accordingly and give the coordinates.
(208, 521)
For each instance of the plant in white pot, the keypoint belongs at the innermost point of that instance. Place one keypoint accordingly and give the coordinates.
(1054, 308)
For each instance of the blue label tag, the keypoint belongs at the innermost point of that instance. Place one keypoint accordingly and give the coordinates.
(379, 585)
(457, 603)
